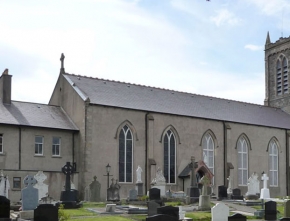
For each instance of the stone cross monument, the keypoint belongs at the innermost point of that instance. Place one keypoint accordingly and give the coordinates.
(68, 170)
(265, 193)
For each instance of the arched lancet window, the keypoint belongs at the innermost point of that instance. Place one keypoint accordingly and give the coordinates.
(273, 163)
(125, 155)
(169, 157)
(285, 76)
(242, 147)
(208, 151)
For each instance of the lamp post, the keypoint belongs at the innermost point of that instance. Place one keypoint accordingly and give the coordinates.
(108, 168)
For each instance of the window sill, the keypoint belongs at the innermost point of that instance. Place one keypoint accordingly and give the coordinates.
(38, 155)
(54, 156)
(126, 183)
(16, 189)
(2, 154)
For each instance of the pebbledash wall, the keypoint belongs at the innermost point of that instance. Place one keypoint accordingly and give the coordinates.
(99, 136)
(19, 160)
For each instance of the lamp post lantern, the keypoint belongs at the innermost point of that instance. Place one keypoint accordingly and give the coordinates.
(108, 168)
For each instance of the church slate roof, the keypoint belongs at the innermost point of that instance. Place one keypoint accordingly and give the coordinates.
(36, 115)
(138, 97)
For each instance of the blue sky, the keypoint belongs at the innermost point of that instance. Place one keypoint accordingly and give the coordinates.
(213, 48)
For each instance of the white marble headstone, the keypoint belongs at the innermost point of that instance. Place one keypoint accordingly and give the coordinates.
(265, 193)
(253, 185)
(220, 212)
(42, 187)
(4, 185)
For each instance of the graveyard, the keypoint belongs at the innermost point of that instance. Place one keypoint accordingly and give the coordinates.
(159, 203)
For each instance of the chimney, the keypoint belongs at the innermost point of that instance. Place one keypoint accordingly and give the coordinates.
(5, 87)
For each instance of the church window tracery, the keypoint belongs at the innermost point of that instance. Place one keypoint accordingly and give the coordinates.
(242, 147)
(273, 164)
(208, 151)
(169, 157)
(125, 155)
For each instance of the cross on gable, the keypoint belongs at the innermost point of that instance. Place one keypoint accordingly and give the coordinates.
(29, 181)
(62, 59)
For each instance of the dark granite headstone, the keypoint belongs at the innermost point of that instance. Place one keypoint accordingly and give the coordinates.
(46, 212)
(222, 192)
(287, 208)
(152, 208)
(4, 207)
(161, 217)
(237, 217)
(169, 210)
(236, 195)
(270, 210)
(154, 194)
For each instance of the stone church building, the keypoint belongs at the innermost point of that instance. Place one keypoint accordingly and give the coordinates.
(93, 122)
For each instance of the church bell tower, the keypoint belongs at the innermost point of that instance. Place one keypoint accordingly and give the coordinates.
(277, 61)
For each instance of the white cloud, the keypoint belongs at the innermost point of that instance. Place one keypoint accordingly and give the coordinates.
(224, 17)
(254, 47)
(276, 7)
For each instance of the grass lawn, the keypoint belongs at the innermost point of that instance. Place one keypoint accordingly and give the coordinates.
(82, 214)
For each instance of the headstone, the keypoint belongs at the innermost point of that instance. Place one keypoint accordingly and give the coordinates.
(229, 189)
(204, 198)
(152, 208)
(284, 219)
(113, 192)
(169, 210)
(253, 187)
(95, 188)
(29, 194)
(69, 197)
(4, 185)
(132, 195)
(46, 212)
(42, 187)
(270, 210)
(193, 191)
(138, 174)
(161, 217)
(236, 195)
(265, 193)
(4, 207)
(237, 217)
(110, 208)
(68, 170)
(154, 194)
(220, 212)
(222, 192)
(287, 208)
(159, 182)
